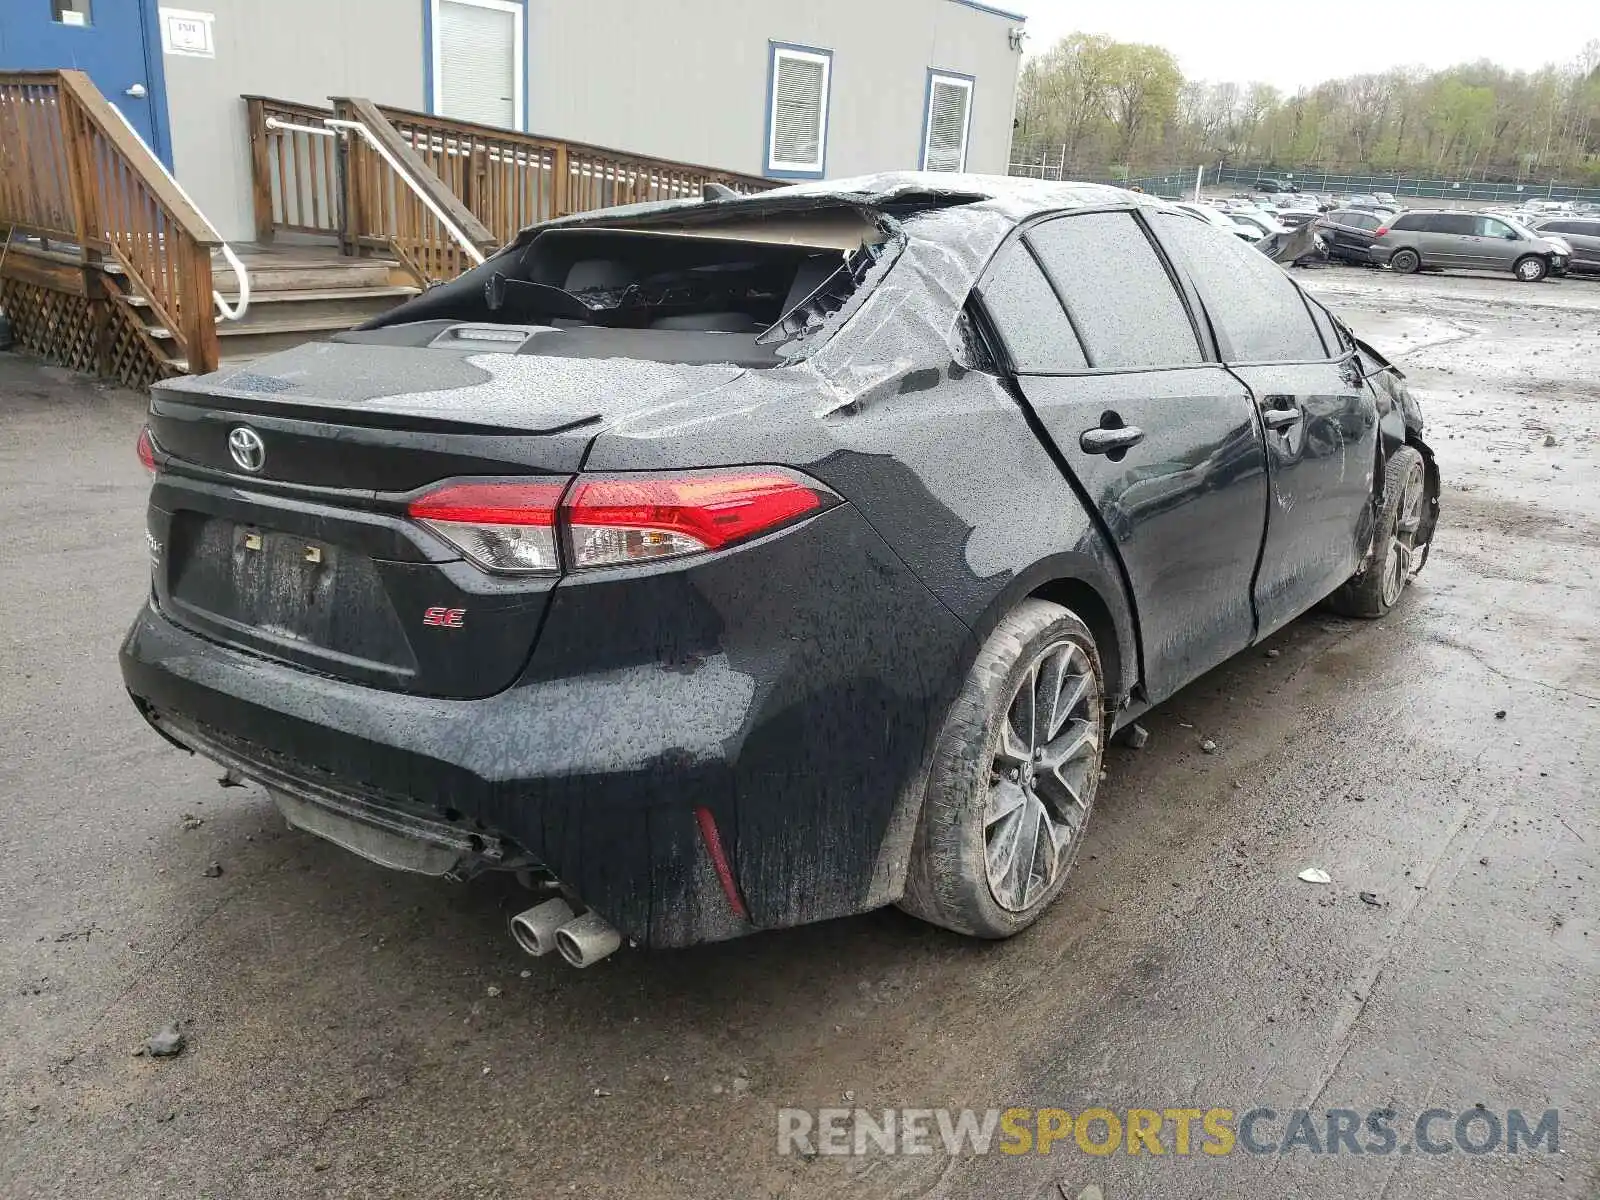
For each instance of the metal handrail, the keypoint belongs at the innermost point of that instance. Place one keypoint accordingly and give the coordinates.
(338, 123)
(239, 273)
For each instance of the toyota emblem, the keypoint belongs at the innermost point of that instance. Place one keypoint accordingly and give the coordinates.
(247, 448)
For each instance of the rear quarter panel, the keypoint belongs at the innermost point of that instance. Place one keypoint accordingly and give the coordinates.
(941, 461)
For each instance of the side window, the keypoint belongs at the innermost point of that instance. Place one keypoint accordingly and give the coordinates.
(1122, 301)
(1364, 221)
(1025, 311)
(1489, 227)
(1257, 311)
(1413, 221)
(1456, 223)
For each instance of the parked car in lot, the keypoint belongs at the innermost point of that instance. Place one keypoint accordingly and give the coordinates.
(1261, 223)
(1275, 185)
(1350, 234)
(1580, 233)
(733, 565)
(1445, 241)
(1293, 218)
(1222, 219)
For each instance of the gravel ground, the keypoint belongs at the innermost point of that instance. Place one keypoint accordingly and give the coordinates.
(351, 1032)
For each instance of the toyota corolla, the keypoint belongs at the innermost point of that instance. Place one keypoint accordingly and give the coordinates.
(729, 565)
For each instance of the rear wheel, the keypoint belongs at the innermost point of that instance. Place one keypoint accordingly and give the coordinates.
(1531, 268)
(1014, 777)
(1407, 262)
(1396, 556)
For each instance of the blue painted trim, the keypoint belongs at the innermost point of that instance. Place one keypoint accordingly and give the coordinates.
(155, 74)
(427, 58)
(990, 10)
(827, 110)
(527, 61)
(927, 113)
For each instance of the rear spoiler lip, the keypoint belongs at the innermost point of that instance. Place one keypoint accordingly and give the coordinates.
(164, 401)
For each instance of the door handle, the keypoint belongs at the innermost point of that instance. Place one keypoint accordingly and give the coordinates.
(1280, 418)
(1105, 441)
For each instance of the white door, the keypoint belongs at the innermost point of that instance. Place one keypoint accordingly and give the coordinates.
(477, 61)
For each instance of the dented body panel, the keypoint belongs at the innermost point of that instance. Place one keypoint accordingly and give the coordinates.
(791, 686)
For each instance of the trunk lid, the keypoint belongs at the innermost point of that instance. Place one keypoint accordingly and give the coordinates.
(310, 557)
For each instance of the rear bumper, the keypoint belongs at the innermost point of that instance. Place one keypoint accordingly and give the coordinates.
(790, 688)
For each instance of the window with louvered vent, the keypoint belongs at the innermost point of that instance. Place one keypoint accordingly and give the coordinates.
(797, 123)
(477, 61)
(944, 141)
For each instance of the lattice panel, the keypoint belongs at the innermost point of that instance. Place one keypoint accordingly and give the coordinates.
(54, 325)
(97, 337)
(129, 355)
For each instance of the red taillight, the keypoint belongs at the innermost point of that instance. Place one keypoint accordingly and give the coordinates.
(491, 503)
(147, 450)
(614, 520)
(632, 519)
(1380, 231)
(504, 527)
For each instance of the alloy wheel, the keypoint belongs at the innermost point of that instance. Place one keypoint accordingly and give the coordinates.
(1044, 776)
(1398, 568)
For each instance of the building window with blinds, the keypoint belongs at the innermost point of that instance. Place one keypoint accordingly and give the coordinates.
(476, 61)
(797, 111)
(947, 121)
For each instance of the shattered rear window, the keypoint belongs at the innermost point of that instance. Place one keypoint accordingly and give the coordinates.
(754, 291)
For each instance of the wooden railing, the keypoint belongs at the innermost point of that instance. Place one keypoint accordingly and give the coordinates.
(512, 180)
(294, 173)
(392, 198)
(71, 171)
(501, 179)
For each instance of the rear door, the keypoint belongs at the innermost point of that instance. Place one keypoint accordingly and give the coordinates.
(1454, 242)
(1163, 444)
(1320, 418)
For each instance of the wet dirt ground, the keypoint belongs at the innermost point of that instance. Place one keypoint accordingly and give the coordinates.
(353, 1032)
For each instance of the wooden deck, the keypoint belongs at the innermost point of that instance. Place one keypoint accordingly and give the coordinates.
(107, 267)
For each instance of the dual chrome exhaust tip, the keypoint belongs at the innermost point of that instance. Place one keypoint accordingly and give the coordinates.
(581, 940)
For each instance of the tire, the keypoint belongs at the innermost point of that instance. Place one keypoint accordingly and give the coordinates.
(1407, 262)
(989, 788)
(1374, 590)
(1530, 268)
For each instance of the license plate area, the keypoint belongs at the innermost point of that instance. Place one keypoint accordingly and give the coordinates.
(282, 590)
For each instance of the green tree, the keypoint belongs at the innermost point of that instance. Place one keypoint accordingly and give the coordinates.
(1142, 92)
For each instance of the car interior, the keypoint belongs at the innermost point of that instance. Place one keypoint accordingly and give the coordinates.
(733, 292)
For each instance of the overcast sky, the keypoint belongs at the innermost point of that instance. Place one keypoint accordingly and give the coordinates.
(1292, 45)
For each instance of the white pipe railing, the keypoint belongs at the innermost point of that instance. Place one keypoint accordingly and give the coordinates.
(467, 248)
(223, 310)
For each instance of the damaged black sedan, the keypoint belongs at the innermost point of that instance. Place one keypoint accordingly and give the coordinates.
(731, 565)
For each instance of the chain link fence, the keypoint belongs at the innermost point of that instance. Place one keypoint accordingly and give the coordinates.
(1050, 162)
(1406, 185)
(1174, 182)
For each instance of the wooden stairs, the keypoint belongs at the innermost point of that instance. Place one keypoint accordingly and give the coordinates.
(297, 294)
(107, 266)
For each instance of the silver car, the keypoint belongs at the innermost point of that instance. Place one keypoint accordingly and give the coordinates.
(1457, 241)
(1581, 233)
